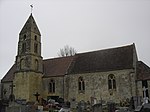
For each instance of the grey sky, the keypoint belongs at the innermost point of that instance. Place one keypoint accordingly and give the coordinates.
(86, 25)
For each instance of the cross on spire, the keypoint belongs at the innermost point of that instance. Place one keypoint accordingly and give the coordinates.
(31, 7)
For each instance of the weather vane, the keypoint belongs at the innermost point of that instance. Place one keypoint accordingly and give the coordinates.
(31, 7)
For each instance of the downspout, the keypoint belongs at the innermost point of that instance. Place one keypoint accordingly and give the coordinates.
(2, 90)
(135, 62)
(63, 88)
(130, 79)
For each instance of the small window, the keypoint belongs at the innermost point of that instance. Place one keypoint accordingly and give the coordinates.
(36, 64)
(35, 37)
(22, 64)
(24, 37)
(35, 48)
(52, 86)
(81, 85)
(23, 47)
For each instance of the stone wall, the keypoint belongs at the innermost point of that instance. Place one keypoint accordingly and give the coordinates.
(59, 87)
(96, 85)
(6, 86)
(26, 84)
(139, 88)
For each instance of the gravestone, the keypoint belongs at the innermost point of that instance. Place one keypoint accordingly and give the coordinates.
(143, 108)
(111, 106)
(97, 107)
(73, 104)
(31, 108)
(81, 106)
(138, 109)
(122, 109)
(145, 98)
(137, 100)
(93, 100)
(131, 106)
(40, 108)
(13, 107)
(146, 107)
(88, 106)
(17, 106)
(21, 101)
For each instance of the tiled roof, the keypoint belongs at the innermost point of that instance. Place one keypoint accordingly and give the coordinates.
(143, 71)
(104, 60)
(9, 75)
(57, 66)
(96, 61)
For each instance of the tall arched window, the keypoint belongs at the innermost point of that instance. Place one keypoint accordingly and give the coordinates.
(22, 64)
(24, 37)
(52, 86)
(35, 38)
(35, 47)
(36, 64)
(23, 47)
(81, 85)
(111, 82)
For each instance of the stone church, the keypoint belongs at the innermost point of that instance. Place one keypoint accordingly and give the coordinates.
(113, 74)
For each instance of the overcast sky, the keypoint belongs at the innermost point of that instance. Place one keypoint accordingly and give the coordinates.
(86, 25)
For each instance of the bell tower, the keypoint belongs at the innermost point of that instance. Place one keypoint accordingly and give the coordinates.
(29, 66)
(29, 48)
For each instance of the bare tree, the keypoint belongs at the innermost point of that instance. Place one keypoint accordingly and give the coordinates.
(67, 51)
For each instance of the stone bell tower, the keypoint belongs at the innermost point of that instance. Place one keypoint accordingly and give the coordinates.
(29, 67)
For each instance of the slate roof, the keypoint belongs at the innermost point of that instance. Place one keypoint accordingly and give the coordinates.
(52, 67)
(104, 60)
(57, 66)
(9, 75)
(143, 71)
(97, 61)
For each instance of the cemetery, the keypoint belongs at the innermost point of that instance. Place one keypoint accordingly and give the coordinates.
(135, 104)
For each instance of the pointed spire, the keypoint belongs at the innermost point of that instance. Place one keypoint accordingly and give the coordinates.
(30, 26)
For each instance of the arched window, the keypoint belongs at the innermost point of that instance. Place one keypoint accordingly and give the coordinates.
(35, 47)
(24, 37)
(81, 85)
(111, 82)
(22, 64)
(35, 38)
(23, 47)
(36, 64)
(52, 86)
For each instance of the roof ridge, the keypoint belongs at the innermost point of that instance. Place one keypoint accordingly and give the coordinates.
(90, 52)
(57, 58)
(112, 48)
